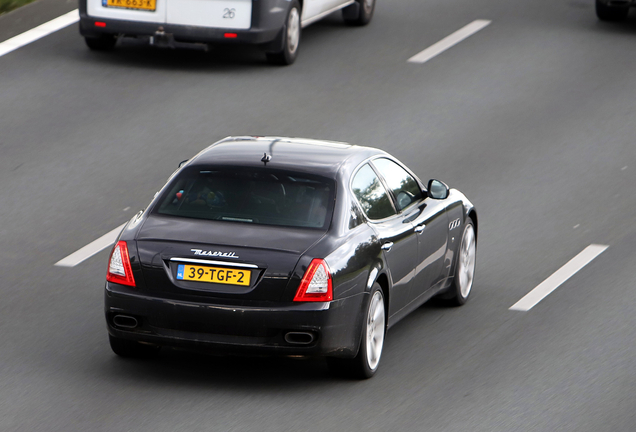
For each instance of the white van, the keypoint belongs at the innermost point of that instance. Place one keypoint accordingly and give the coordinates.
(273, 24)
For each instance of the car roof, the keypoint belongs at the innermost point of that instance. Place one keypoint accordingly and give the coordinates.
(325, 158)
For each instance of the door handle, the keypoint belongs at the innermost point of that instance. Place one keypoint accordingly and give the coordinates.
(418, 229)
(387, 246)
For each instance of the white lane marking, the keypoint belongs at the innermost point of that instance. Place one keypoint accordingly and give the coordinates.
(449, 41)
(558, 277)
(39, 32)
(91, 249)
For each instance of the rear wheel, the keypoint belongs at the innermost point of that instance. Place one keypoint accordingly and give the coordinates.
(364, 9)
(605, 12)
(291, 38)
(101, 43)
(462, 283)
(365, 364)
(131, 349)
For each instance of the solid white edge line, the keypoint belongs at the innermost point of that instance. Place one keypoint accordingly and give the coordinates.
(38, 32)
(448, 41)
(91, 249)
(561, 275)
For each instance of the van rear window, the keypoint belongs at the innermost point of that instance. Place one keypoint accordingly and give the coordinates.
(256, 196)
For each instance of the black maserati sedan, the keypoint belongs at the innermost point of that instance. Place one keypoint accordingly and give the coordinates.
(287, 246)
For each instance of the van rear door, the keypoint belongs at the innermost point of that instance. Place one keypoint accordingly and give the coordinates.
(226, 14)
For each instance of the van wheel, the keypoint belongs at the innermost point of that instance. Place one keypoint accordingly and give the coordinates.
(291, 38)
(364, 9)
(101, 43)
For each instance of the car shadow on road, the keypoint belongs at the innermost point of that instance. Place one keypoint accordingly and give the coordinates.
(626, 27)
(131, 52)
(139, 54)
(181, 367)
(197, 369)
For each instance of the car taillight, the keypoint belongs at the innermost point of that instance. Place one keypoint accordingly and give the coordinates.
(119, 270)
(316, 283)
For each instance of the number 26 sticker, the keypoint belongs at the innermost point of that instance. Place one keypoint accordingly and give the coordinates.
(229, 13)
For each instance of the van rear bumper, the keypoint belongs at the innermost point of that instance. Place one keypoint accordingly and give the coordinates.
(181, 33)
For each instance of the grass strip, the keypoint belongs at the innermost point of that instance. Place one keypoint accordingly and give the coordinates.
(9, 5)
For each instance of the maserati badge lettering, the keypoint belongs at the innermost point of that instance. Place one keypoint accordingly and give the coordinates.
(215, 253)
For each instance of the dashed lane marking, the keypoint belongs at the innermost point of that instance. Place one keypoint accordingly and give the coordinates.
(91, 249)
(38, 32)
(449, 41)
(561, 275)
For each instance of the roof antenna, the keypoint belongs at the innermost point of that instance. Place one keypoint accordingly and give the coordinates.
(266, 158)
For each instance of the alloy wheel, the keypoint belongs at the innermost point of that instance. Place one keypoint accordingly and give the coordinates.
(466, 271)
(375, 330)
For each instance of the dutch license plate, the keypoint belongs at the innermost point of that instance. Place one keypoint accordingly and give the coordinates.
(213, 275)
(149, 5)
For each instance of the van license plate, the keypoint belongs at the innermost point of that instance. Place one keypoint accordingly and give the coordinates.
(148, 5)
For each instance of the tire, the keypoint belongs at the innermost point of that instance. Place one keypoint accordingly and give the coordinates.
(364, 8)
(131, 349)
(101, 43)
(462, 284)
(291, 38)
(605, 12)
(365, 364)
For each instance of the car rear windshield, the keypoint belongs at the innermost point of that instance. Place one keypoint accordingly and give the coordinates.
(256, 196)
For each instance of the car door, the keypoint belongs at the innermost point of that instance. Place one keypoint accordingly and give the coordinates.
(432, 230)
(429, 219)
(396, 235)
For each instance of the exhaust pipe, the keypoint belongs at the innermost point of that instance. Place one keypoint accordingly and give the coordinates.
(299, 338)
(125, 321)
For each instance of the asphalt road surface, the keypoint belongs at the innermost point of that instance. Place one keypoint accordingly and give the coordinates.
(532, 117)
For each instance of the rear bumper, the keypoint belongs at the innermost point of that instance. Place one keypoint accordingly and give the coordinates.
(181, 33)
(335, 326)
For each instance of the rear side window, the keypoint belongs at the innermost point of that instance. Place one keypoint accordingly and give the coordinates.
(356, 217)
(404, 187)
(371, 194)
(256, 196)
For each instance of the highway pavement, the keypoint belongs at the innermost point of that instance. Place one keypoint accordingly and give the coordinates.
(531, 117)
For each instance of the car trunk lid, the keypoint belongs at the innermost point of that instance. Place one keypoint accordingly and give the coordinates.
(235, 252)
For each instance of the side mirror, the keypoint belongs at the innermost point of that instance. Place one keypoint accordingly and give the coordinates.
(437, 189)
(183, 162)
